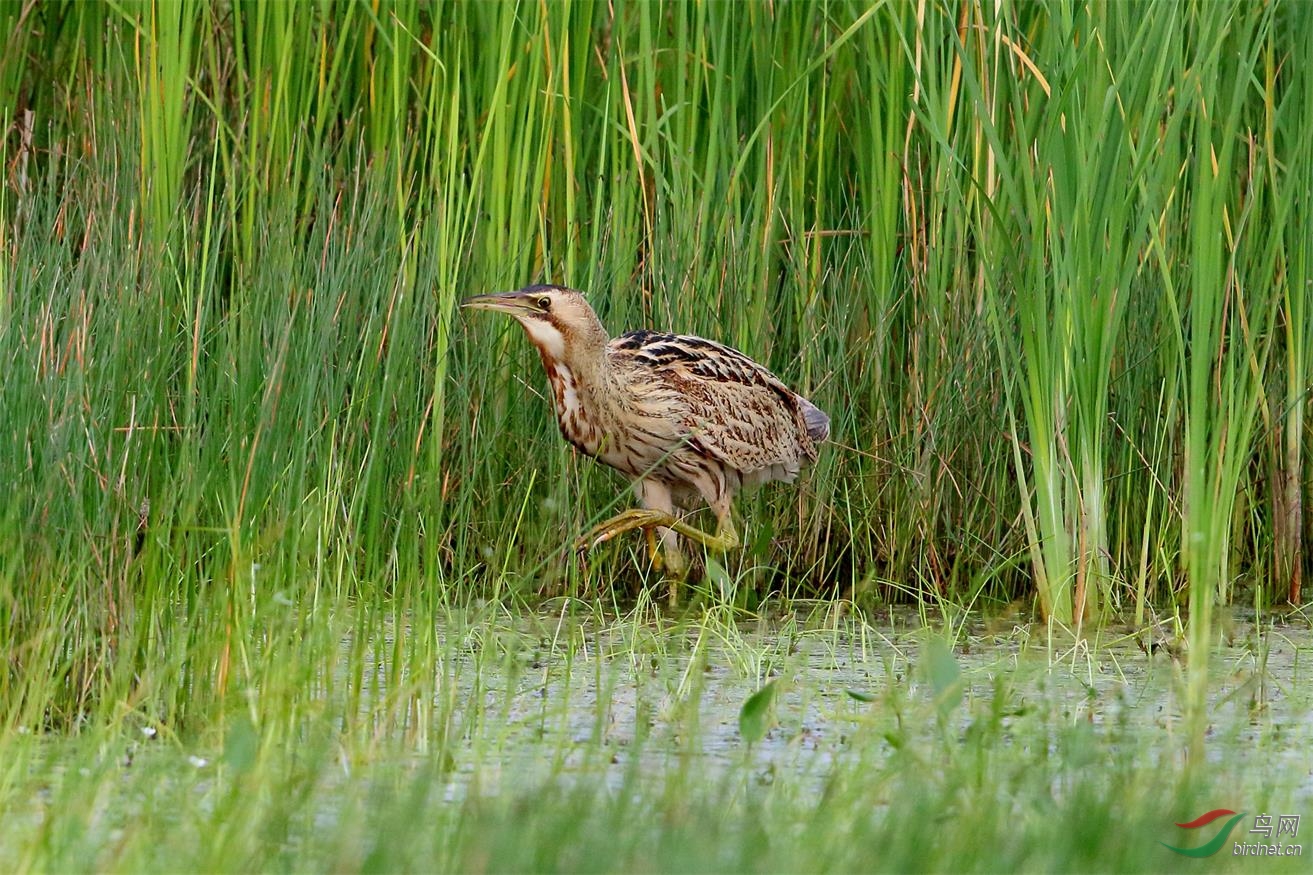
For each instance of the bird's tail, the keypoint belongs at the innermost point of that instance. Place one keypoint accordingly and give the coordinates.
(818, 424)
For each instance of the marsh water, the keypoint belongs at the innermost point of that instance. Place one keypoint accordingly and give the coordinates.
(560, 697)
(513, 710)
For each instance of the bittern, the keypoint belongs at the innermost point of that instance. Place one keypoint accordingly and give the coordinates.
(683, 416)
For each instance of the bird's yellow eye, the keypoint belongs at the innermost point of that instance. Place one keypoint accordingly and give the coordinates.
(544, 303)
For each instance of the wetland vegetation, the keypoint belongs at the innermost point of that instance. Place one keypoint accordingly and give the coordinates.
(286, 567)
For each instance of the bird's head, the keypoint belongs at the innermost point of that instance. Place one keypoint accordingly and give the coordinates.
(559, 321)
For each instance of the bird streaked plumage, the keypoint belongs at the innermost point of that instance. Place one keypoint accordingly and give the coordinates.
(683, 416)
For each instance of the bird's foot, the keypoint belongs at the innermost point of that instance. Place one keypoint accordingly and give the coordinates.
(666, 558)
(636, 518)
(725, 538)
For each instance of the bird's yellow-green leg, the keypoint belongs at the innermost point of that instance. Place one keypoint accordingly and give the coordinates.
(667, 558)
(726, 537)
(664, 556)
(652, 552)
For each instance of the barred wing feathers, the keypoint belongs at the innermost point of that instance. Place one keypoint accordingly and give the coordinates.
(730, 408)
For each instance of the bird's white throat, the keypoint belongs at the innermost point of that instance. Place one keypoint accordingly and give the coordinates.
(546, 336)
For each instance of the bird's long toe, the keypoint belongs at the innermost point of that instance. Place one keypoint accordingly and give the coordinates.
(636, 518)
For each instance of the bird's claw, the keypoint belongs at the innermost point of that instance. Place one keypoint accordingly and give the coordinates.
(617, 525)
(585, 544)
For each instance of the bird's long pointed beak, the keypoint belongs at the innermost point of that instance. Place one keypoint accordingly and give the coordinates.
(503, 302)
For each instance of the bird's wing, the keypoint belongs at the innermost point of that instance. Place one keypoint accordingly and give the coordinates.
(732, 408)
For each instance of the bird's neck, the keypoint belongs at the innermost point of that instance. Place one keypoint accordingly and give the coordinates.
(583, 386)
